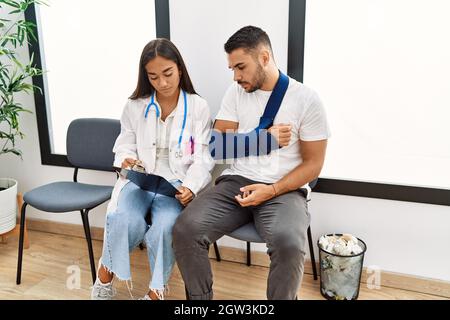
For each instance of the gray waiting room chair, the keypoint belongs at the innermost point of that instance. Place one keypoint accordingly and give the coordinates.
(249, 234)
(89, 146)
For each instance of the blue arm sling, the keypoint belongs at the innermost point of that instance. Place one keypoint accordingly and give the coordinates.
(257, 142)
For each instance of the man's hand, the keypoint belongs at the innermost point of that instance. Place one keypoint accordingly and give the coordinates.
(128, 163)
(282, 133)
(255, 194)
(185, 196)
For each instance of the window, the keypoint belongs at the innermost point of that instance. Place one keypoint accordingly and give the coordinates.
(90, 51)
(381, 69)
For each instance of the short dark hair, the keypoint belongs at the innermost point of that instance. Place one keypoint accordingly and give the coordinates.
(164, 48)
(247, 38)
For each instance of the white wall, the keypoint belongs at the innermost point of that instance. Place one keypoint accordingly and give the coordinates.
(402, 237)
(200, 29)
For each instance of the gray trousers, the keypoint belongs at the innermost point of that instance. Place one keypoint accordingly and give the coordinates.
(282, 222)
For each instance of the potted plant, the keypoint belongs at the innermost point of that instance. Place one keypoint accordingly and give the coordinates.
(15, 76)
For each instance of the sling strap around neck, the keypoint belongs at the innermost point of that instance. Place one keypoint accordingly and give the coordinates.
(274, 103)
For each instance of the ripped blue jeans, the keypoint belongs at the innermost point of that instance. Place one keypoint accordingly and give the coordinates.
(126, 228)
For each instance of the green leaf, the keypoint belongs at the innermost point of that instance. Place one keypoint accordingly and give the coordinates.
(4, 41)
(24, 6)
(17, 62)
(14, 151)
(11, 3)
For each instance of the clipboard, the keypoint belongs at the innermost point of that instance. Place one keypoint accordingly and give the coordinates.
(149, 182)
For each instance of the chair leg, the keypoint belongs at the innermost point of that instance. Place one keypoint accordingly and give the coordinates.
(26, 242)
(87, 231)
(249, 258)
(216, 250)
(311, 252)
(21, 240)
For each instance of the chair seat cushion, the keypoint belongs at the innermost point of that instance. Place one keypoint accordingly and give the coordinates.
(67, 196)
(246, 233)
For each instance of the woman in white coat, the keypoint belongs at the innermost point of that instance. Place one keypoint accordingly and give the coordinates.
(165, 127)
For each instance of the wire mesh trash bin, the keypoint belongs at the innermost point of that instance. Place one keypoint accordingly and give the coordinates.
(341, 259)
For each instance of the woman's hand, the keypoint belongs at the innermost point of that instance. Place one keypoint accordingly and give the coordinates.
(185, 196)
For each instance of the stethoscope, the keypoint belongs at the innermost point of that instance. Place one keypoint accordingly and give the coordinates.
(178, 153)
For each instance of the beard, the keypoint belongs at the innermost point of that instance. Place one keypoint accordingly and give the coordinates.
(257, 80)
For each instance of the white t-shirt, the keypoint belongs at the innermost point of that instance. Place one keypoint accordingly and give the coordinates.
(301, 107)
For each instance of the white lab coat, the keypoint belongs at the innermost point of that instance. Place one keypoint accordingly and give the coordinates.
(137, 140)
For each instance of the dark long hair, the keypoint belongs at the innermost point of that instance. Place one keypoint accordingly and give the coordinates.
(163, 48)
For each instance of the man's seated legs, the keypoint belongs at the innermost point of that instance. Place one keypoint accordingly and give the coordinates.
(283, 223)
(207, 218)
